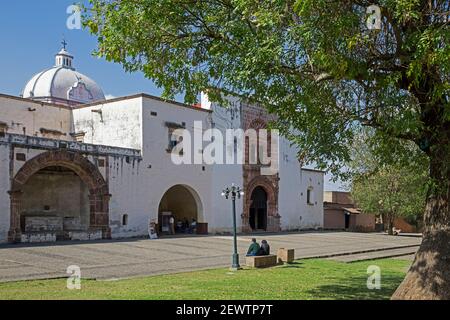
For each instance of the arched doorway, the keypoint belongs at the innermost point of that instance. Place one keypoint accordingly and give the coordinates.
(258, 210)
(59, 193)
(183, 204)
(261, 206)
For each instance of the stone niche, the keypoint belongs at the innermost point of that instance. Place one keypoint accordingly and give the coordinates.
(55, 206)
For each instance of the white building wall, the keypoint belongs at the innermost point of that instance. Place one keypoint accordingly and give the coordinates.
(28, 117)
(225, 175)
(116, 123)
(159, 173)
(296, 213)
(125, 186)
(137, 188)
(4, 196)
(312, 213)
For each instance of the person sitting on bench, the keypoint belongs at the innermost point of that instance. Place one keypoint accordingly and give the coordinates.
(264, 250)
(253, 250)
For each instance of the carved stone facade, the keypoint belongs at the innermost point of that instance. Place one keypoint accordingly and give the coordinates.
(255, 117)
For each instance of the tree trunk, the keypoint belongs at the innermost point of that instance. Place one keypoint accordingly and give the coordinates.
(390, 224)
(429, 275)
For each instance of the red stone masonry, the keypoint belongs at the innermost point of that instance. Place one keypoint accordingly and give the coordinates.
(256, 117)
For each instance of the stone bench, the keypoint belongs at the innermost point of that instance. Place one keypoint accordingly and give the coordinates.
(261, 261)
(286, 255)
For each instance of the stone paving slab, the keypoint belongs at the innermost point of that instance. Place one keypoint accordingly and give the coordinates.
(140, 257)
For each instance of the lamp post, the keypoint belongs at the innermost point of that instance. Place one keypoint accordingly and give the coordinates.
(234, 192)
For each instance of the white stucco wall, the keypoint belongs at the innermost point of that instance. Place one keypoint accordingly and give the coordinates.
(296, 213)
(137, 187)
(125, 186)
(225, 175)
(117, 123)
(4, 196)
(159, 173)
(27, 117)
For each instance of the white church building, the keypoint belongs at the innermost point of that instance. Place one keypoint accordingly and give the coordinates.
(75, 166)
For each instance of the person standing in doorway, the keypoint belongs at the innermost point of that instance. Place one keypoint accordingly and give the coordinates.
(172, 225)
(193, 226)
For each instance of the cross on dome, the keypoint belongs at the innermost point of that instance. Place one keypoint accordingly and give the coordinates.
(64, 59)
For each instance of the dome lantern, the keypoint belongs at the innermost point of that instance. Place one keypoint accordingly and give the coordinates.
(63, 58)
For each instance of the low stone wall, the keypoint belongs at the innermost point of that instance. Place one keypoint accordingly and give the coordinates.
(72, 224)
(85, 236)
(38, 237)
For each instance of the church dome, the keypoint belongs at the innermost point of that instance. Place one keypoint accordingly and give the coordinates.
(63, 84)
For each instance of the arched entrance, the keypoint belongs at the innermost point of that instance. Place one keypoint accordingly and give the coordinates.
(258, 210)
(183, 204)
(261, 206)
(59, 192)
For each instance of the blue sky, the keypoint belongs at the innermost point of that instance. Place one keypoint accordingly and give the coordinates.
(30, 35)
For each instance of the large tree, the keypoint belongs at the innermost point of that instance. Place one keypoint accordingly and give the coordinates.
(321, 68)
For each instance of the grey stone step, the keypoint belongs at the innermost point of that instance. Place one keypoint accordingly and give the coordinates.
(376, 255)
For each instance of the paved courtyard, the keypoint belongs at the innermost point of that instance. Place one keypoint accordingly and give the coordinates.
(109, 260)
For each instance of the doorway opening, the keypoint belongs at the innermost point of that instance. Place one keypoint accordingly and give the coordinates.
(180, 204)
(258, 210)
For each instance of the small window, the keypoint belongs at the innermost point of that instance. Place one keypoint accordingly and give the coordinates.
(21, 157)
(154, 114)
(125, 220)
(3, 129)
(101, 163)
(309, 196)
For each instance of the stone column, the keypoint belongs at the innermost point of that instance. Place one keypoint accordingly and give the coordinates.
(15, 232)
(99, 214)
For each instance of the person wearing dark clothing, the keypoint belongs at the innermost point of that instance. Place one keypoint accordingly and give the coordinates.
(186, 225)
(253, 250)
(264, 250)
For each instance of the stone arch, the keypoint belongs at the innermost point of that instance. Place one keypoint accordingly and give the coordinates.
(98, 188)
(273, 218)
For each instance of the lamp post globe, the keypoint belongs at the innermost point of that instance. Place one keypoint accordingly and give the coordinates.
(234, 192)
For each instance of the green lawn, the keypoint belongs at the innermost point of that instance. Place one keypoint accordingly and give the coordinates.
(305, 279)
